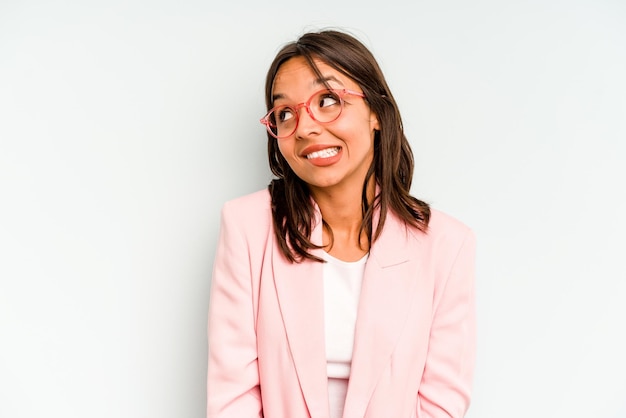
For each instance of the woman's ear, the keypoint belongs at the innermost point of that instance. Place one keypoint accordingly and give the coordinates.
(374, 125)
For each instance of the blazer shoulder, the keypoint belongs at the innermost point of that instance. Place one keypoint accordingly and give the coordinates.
(444, 227)
(251, 213)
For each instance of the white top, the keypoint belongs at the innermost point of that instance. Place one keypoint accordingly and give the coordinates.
(342, 288)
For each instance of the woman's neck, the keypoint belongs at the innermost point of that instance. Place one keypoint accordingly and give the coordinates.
(342, 211)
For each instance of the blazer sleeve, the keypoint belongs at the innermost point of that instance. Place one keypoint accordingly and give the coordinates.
(233, 389)
(447, 379)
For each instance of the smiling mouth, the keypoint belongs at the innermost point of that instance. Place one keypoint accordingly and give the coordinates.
(325, 153)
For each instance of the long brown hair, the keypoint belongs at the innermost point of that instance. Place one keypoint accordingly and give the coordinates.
(392, 168)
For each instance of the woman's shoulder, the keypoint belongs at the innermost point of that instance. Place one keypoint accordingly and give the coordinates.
(443, 221)
(445, 238)
(443, 226)
(249, 216)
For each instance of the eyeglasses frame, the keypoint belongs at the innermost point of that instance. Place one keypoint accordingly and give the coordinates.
(339, 92)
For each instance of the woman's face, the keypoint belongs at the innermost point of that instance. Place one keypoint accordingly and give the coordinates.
(330, 157)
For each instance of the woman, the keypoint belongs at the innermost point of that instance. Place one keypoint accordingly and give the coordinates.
(335, 293)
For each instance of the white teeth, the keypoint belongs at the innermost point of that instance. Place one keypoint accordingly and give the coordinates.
(325, 153)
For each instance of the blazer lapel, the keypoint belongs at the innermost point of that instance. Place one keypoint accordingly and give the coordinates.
(300, 294)
(385, 301)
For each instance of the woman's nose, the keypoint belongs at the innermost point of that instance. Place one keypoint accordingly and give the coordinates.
(307, 125)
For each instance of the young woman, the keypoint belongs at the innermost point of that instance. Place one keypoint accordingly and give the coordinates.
(336, 293)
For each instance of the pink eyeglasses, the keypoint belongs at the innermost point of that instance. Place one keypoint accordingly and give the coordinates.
(324, 106)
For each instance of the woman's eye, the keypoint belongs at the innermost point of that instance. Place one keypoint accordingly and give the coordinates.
(284, 115)
(328, 100)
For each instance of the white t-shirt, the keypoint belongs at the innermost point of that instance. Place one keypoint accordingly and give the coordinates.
(342, 288)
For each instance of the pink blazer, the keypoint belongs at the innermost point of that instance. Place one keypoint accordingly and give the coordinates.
(415, 334)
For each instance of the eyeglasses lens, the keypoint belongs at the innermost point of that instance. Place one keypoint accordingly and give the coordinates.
(324, 106)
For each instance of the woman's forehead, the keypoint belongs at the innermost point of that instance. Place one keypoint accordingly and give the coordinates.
(296, 73)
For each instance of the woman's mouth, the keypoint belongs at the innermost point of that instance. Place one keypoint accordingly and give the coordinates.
(324, 153)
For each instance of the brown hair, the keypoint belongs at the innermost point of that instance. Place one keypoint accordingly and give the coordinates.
(392, 167)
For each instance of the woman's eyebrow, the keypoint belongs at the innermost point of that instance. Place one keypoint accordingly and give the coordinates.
(277, 97)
